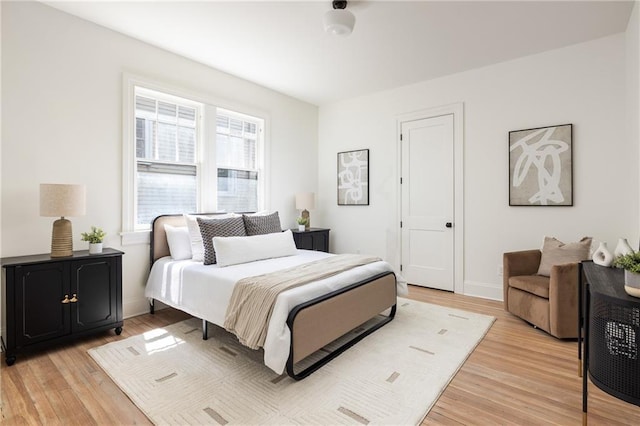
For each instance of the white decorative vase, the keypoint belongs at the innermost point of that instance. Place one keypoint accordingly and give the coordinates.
(301, 228)
(632, 283)
(602, 256)
(95, 248)
(623, 248)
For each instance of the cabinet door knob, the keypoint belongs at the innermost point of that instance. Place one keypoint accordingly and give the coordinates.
(74, 299)
(66, 299)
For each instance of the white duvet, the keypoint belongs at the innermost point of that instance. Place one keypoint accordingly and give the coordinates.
(205, 291)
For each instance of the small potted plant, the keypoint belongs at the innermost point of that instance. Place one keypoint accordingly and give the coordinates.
(631, 264)
(94, 238)
(302, 223)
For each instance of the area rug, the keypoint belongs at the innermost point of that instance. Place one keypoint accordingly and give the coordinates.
(393, 376)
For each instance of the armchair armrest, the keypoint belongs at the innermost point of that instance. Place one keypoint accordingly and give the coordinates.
(516, 263)
(563, 300)
(524, 262)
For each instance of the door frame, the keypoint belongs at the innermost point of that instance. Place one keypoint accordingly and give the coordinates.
(457, 110)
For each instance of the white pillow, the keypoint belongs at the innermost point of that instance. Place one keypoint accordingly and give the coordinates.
(179, 242)
(259, 213)
(197, 248)
(235, 250)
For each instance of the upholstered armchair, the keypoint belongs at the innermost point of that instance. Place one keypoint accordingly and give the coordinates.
(547, 302)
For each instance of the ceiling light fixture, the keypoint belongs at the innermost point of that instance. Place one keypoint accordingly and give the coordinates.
(339, 21)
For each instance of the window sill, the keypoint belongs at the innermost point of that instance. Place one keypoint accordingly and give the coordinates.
(135, 237)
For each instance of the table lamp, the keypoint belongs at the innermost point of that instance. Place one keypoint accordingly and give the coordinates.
(60, 200)
(304, 201)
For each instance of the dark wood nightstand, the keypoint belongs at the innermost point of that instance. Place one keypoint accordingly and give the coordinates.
(312, 239)
(54, 299)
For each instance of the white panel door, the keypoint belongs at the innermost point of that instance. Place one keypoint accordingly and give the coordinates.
(427, 202)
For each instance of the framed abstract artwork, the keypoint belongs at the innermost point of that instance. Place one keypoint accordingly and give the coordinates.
(541, 166)
(353, 178)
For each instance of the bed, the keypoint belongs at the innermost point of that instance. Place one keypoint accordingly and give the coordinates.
(305, 320)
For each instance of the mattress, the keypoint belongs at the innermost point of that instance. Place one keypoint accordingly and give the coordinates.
(205, 291)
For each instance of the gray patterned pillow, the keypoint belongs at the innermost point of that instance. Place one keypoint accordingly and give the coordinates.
(258, 225)
(209, 228)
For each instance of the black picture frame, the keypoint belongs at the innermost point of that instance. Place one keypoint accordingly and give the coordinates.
(541, 166)
(353, 178)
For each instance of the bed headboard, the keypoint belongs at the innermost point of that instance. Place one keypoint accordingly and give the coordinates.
(159, 247)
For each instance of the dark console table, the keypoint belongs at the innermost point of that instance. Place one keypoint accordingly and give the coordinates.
(609, 330)
(54, 299)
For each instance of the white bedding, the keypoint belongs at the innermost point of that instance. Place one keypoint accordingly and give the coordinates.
(205, 291)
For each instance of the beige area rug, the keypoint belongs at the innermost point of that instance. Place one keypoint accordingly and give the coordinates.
(393, 376)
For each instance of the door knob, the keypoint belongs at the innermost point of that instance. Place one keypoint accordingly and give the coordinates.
(449, 225)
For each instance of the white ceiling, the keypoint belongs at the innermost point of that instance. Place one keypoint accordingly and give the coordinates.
(282, 45)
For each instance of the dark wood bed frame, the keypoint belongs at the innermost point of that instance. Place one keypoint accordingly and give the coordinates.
(318, 322)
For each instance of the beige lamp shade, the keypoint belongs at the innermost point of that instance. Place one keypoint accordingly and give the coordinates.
(304, 201)
(60, 200)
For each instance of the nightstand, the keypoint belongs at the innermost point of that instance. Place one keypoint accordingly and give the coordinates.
(54, 299)
(312, 239)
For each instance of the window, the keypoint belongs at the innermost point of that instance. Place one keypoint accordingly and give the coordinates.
(185, 156)
(237, 162)
(166, 161)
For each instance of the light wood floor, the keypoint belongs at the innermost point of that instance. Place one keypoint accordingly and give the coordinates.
(516, 376)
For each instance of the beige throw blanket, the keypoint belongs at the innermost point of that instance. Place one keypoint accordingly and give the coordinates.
(253, 298)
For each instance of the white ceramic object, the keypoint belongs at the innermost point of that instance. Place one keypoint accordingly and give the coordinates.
(301, 228)
(623, 248)
(95, 248)
(602, 256)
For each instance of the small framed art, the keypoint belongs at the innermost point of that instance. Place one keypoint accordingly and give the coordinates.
(353, 178)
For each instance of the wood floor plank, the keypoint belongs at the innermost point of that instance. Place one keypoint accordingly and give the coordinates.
(517, 375)
(48, 383)
(522, 373)
(19, 408)
(73, 365)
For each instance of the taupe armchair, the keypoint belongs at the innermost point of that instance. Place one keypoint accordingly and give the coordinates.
(549, 303)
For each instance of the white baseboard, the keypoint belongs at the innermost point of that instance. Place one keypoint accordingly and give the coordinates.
(484, 290)
(140, 307)
(135, 308)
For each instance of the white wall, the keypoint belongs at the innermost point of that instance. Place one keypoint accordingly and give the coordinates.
(633, 75)
(61, 120)
(62, 113)
(582, 84)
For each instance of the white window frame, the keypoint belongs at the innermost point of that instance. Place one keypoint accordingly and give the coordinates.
(259, 152)
(205, 162)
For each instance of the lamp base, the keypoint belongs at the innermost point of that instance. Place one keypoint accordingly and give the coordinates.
(305, 214)
(62, 238)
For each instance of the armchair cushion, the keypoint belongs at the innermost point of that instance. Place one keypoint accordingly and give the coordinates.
(555, 252)
(535, 284)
